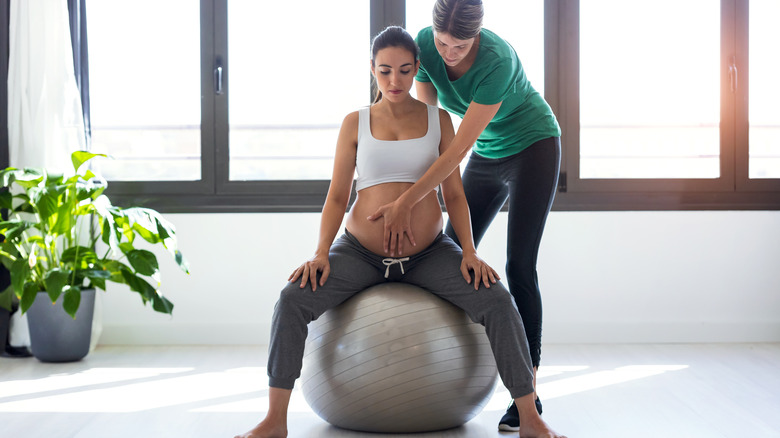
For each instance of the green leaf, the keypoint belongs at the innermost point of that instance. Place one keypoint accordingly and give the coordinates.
(164, 228)
(143, 221)
(80, 157)
(71, 300)
(161, 304)
(138, 284)
(126, 247)
(143, 261)
(30, 291)
(6, 200)
(44, 201)
(97, 277)
(8, 176)
(181, 261)
(52, 178)
(55, 281)
(20, 274)
(13, 229)
(146, 234)
(80, 256)
(90, 186)
(6, 298)
(65, 218)
(109, 229)
(27, 177)
(116, 269)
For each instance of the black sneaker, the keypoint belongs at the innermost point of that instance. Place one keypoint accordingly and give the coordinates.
(510, 422)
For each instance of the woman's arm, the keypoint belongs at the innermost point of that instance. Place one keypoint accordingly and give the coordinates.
(397, 214)
(426, 92)
(458, 211)
(335, 204)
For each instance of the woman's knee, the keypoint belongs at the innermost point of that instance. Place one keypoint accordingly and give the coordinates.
(497, 305)
(292, 301)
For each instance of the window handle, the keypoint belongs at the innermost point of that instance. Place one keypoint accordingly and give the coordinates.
(218, 79)
(733, 74)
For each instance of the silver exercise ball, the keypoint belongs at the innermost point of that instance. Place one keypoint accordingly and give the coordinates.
(397, 359)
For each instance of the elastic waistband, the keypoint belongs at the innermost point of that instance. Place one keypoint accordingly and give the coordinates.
(354, 241)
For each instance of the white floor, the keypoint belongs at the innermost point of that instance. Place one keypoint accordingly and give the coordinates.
(635, 391)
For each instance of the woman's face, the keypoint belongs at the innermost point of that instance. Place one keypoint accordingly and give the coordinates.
(394, 69)
(452, 50)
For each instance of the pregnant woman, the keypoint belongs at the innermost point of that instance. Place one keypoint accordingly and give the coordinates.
(391, 144)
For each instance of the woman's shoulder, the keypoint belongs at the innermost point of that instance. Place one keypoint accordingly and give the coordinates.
(497, 46)
(351, 123)
(424, 35)
(354, 116)
(424, 41)
(444, 114)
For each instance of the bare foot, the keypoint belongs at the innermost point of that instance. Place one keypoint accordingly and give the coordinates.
(537, 428)
(266, 429)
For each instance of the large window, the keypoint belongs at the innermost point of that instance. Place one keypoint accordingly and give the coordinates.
(235, 105)
(654, 97)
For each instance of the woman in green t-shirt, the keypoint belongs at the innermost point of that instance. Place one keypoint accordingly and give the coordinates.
(475, 74)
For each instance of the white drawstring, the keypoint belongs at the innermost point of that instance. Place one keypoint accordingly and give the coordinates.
(391, 261)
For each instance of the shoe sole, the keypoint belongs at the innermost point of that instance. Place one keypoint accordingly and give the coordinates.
(507, 428)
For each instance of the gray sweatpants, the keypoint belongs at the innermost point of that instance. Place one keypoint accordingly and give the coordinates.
(353, 268)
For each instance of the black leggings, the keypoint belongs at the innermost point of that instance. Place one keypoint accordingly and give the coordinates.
(529, 180)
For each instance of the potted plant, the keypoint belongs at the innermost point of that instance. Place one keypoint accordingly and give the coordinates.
(63, 238)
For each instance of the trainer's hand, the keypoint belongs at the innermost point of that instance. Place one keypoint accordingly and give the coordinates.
(398, 219)
(308, 271)
(482, 271)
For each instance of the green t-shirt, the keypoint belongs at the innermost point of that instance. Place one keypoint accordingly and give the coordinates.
(496, 76)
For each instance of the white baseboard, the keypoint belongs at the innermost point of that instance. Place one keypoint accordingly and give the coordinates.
(642, 333)
(569, 333)
(186, 334)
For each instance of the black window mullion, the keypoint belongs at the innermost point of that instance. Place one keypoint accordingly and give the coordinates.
(728, 94)
(218, 57)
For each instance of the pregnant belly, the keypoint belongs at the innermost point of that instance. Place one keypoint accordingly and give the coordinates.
(426, 219)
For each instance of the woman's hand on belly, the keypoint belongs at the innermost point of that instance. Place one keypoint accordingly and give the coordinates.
(426, 220)
(308, 271)
(396, 226)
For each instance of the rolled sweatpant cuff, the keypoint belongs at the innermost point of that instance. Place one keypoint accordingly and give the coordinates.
(276, 382)
(517, 392)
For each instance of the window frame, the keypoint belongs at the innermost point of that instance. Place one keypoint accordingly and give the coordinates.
(733, 190)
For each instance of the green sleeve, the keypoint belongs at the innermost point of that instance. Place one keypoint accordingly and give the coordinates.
(422, 75)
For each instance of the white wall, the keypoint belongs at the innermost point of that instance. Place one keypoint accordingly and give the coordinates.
(605, 277)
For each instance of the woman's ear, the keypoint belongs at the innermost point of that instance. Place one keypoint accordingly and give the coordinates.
(371, 62)
(416, 67)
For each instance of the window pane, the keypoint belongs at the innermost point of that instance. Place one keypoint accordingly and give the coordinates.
(764, 115)
(649, 89)
(144, 65)
(294, 75)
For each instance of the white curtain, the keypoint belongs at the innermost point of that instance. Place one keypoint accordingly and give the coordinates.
(45, 121)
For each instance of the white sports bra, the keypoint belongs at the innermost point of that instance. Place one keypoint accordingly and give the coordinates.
(384, 161)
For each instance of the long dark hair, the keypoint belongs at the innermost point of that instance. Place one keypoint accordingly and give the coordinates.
(461, 19)
(392, 36)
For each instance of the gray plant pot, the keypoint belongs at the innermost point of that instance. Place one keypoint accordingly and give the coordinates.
(54, 335)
